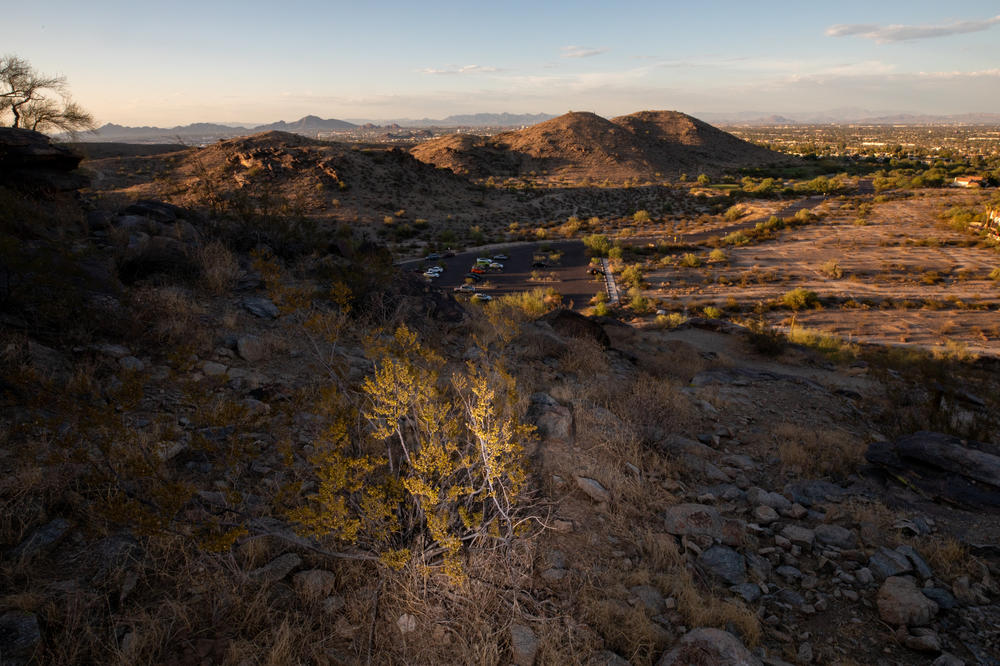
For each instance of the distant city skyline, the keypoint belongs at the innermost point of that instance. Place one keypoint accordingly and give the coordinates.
(254, 62)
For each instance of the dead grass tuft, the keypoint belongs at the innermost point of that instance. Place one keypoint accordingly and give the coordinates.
(219, 268)
(818, 452)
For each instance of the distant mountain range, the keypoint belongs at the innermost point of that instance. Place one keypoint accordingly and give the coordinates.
(309, 125)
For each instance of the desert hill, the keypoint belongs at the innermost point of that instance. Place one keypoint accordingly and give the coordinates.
(585, 145)
(282, 169)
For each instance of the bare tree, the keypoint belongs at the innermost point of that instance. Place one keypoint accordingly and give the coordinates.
(36, 101)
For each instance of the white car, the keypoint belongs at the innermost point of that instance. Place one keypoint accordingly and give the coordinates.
(481, 297)
(431, 275)
(497, 267)
(500, 257)
(435, 269)
(468, 288)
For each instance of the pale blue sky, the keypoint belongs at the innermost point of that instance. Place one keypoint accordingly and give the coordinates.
(184, 61)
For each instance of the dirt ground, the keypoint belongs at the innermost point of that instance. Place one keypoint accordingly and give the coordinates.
(900, 277)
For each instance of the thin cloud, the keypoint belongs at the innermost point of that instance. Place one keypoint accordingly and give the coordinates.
(904, 33)
(581, 52)
(466, 69)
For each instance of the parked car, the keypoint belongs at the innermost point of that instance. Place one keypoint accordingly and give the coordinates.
(433, 256)
(539, 264)
(484, 261)
(596, 271)
(500, 257)
(465, 287)
(474, 276)
(431, 274)
(477, 269)
(481, 297)
(497, 267)
(449, 254)
(435, 269)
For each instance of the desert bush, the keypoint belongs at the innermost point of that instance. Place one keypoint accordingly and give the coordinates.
(800, 298)
(735, 212)
(718, 255)
(832, 269)
(672, 320)
(690, 260)
(995, 274)
(219, 268)
(533, 303)
(597, 244)
(712, 312)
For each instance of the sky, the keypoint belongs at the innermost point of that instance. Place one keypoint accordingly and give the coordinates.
(141, 63)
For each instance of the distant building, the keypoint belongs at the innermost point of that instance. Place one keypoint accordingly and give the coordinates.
(993, 223)
(970, 181)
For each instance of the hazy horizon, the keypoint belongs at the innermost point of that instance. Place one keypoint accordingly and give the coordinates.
(143, 66)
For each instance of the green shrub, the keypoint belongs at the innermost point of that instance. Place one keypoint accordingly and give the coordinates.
(712, 312)
(718, 255)
(800, 298)
(690, 260)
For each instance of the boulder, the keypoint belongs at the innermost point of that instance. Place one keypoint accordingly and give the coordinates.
(277, 568)
(251, 348)
(592, 489)
(571, 324)
(900, 602)
(724, 563)
(709, 647)
(553, 420)
(30, 159)
(42, 539)
(835, 535)
(523, 645)
(693, 519)
(314, 584)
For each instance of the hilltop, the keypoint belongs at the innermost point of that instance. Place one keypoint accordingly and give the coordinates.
(585, 145)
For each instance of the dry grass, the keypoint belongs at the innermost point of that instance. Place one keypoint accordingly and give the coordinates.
(171, 316)
(219, 268)
(818, 452)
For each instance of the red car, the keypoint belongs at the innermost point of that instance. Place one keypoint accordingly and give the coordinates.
(476, 269)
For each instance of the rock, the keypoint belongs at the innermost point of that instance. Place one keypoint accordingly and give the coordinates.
(41, 539)
(592, 489)
(157, 255)
(552, 419)
(709, 647)
(649, 597)
(571, 324)
(943, 598)
(705, 468)
(966, 593)
(749, 591)
(804, 654)
(19, 635)
(261, 307)
(948, 659)
(762, 497)
(407, 624)
(553, 574)
(864, 576)
(808, 493)
(923, 640)
(789, 572)
(919, 565)
(114, 351)
(800, 536)
(131, 363)
(30, 159)
(251, 348)
(835, 535)
(724, 563)
(277, 568)
(607, 658)
(159, 211)
(314, 584)
(693, 519)
(791, 598)
(765, 515)
(523, 645)
(900, 602)
(213, 369)
(886, 563)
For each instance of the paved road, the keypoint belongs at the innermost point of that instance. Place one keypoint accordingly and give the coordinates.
(572, 279)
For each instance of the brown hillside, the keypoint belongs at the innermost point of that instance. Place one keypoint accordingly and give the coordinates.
(282, 170)
(579, 145)
(672, 139)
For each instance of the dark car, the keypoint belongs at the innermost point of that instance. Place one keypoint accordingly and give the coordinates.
(449, 254)
(432, 256)
(596, 271)
(539, 264)
(473, 276)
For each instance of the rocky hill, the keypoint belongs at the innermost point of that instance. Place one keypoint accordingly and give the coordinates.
(584, 145)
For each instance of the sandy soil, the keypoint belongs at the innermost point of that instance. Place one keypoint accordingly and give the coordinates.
(936, 277)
